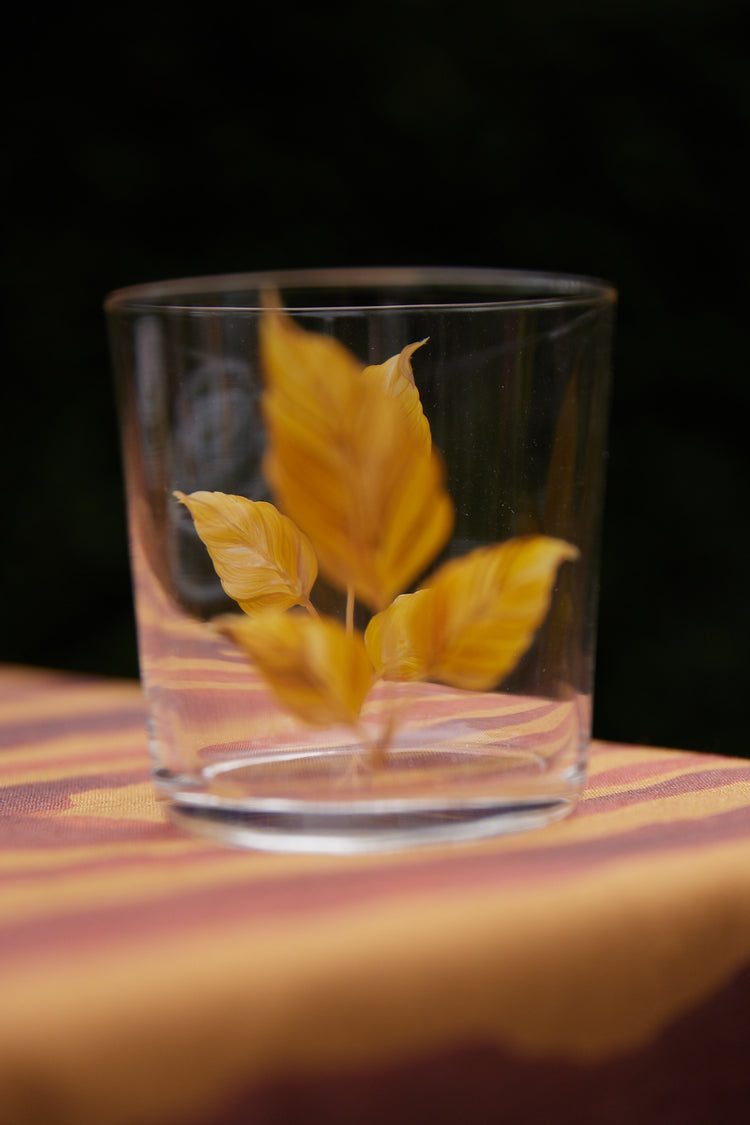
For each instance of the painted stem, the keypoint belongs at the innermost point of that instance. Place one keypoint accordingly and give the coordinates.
(311, 608)
(350, 611)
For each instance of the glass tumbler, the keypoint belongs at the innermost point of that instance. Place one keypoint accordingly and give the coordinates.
(364, 511)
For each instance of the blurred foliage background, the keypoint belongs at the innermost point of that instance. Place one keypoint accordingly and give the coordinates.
(606, 139)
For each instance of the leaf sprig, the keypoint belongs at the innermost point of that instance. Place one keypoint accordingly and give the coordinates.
(351, 463)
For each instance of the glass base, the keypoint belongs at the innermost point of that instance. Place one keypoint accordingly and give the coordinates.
(331, 801)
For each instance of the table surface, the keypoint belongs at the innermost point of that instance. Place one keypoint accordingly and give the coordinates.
(597, 970)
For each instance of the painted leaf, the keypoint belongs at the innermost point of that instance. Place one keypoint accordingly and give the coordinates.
(311, 372)
(397, 370)
(315, 668)
(399, 640)
(262, 559)
(472, 623)
(348, 465)
(397, 377)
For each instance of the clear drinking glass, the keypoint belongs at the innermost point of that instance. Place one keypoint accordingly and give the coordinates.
(364, 511)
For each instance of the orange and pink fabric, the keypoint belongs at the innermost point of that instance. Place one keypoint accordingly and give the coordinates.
(594, 972)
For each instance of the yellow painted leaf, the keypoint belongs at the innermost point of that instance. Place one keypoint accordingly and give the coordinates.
(397, 377)
(474, 620)
(262, 559)
(399, 640)
(348, 465)
(315, 668)
(311, 372)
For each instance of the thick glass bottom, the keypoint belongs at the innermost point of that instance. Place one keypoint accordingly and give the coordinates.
(333, 801)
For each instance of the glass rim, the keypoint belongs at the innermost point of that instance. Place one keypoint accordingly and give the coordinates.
(505, 288)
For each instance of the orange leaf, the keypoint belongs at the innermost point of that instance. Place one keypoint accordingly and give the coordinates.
(474, 620)
(312, 372)
(349, 466)
(396, 376)
(315, 668)
(262, 559)
(399, 640)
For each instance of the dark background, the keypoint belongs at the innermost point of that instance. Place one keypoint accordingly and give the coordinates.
(607, 139)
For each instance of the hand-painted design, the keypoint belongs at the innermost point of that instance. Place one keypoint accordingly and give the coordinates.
(362, 490)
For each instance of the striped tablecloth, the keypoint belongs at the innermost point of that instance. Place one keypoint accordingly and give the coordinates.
(595, 971)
